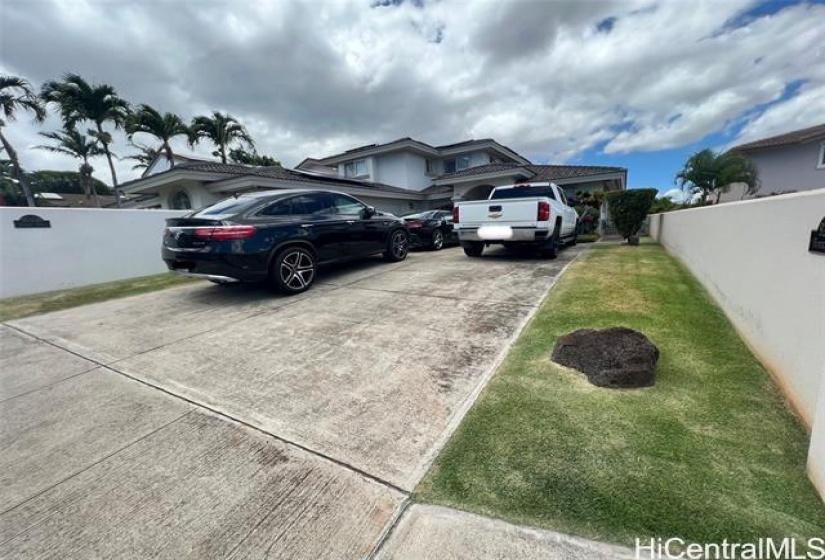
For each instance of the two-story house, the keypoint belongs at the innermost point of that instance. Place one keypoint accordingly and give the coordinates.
(470, 169)
(789, 162)
(402, 176)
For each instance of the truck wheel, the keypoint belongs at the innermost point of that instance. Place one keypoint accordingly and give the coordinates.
(550, 250)
(473, 248)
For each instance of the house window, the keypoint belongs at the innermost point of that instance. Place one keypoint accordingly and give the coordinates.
(180, 201)
(821, 161)
(430, 167)
(456, 164)
(356, 168)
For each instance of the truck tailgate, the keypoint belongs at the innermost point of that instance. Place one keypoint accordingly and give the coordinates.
(516, 212)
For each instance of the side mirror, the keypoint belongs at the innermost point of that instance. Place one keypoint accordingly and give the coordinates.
(369, 212)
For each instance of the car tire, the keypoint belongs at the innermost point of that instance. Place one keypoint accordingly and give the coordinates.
(473, 248)
(437, 241)
(550, 250)
(294, 270)
(398, 246)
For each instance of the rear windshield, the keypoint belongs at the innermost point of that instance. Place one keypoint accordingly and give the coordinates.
(421, 216)
(227, 207)
(523, 192)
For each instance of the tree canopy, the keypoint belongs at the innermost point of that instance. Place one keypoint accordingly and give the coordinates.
(163, 126)
(710, 173)
(17, 94)
(239, 155)
(223, 131)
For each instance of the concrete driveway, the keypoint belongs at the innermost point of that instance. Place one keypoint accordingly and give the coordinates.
(207, 421)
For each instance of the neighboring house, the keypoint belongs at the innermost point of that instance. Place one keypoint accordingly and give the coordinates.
(73, 200)
(789, 162)
(399, 177)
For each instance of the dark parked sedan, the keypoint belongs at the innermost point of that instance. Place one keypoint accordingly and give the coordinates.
(432, 229)
(279, 237)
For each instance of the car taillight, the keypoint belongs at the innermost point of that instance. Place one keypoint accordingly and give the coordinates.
(544, 211)
(225, 233)
(455, 214)
(415, 225)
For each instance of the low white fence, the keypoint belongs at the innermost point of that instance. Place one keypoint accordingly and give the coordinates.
(753, 258)
(81, 247)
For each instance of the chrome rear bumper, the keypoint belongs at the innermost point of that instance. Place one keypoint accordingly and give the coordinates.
(213, 277)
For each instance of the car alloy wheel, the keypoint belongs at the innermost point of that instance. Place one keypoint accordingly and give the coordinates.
(438, 240)
(399, 245)
(296, 270)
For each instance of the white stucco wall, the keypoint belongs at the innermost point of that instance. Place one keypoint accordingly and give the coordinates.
(816, 455)
(753, 258)
(402, 169)
(82, 247)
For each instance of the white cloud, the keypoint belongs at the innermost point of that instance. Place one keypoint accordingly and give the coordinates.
(310, 79)
(804, 110)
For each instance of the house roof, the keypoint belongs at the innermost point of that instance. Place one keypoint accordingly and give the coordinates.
(75, 200)
(234, 170)
(539, 172)
(481, 170)
(557, 172)
(789, 138)
(415, 144)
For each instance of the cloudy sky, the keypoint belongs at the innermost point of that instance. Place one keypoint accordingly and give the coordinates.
(636, 83)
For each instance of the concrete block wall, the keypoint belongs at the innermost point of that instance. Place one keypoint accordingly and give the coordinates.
(82, 247)
(752, 256)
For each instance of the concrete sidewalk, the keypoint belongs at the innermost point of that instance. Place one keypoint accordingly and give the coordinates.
(438, 533)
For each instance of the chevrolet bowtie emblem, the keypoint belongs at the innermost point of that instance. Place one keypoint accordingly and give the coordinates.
(495, 215)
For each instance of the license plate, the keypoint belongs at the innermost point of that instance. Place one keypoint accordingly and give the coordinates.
(495, 233)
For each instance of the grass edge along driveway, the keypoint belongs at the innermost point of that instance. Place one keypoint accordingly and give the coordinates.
(37, 304)
(711, 452)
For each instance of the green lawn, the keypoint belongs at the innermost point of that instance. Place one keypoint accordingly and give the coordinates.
(711, 452)
(26, 306)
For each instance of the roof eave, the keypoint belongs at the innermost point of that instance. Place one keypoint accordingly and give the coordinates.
(621, 175)
(489, 144)
(170, 176)
(228, 185)
(377, 150)
(484, 176)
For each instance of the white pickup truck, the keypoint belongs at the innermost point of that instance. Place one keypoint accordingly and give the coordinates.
(535, 214)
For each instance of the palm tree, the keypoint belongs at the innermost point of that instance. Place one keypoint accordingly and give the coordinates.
(222, 130)
(145, 156)
(15, 94)
(99, 103)
(711, 172)
(164, 127)
(73, 143)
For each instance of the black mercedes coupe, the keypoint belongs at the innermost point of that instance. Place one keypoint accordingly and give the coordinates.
(279, 237)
